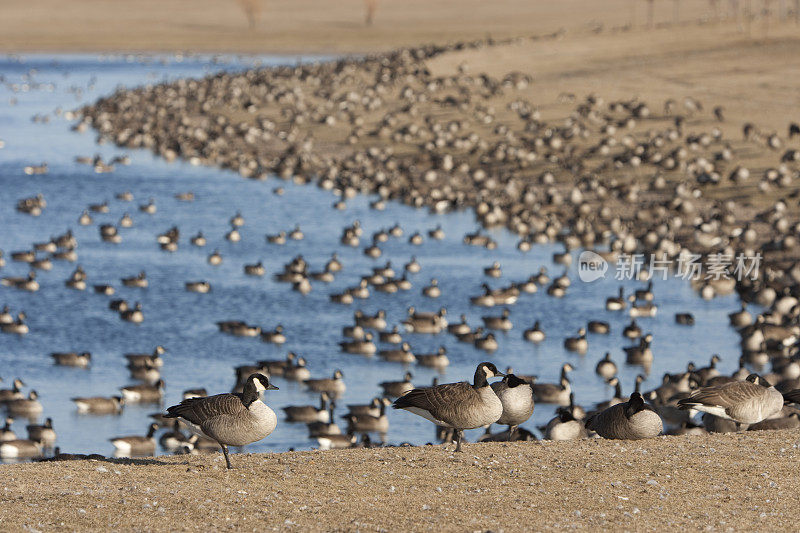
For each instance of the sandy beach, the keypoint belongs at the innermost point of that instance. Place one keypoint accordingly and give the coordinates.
(743, 482)
(738, 482)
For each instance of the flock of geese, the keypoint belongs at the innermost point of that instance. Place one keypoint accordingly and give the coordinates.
(570, 181)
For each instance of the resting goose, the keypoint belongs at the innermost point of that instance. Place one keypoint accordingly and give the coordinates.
(99, 405)
(577, 344)
(630, 420)
(136, 444)
(516, 395)
(29, 407)
(534, 334)
(606, 368)
(334, 386)
(564, 426)
(81, 360)
(230, 419)
(396, 389)
(457, 405)
(308, 413)
(44, 433)
(745, 402)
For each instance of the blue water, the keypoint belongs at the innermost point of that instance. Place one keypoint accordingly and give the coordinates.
(198, 355)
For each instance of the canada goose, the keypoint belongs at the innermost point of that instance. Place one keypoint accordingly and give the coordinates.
(256, 269)
(174, 439)
(684, 319)
(134, 315)
(645, 295)
(278, 238)
(363, 346)
(516, 395)
(457, 405)
(741, 318)
(18, 326)
(640, 354)
(107, 290)
(296, 234)
(577, 344)
(237, 220)
(149, 207)
(392, 336)
(29, 407)
(215, 258)
(615, 399)
(398, 355)
(126, 221)
(368, 423)
(502, 322)
(6, 433)
(330, 442)
(146, 373)
(534, 334)
(201, 287)
(631, 420)
(598, 326)
(144, 359)
(437, 233)
(308, 413)
(395, 389)
(20, 448)
(81, 360)
(45, 434)
(790, 421)
(432, 290)
(14, 393)
(27, 283)
(606, 368)
(707, 373)
(275, 336)
(553, 393)
(435, 360)
(744, 402)
(373, 408)
(139, 281)
(616, 303)
(493, 271)
(271, 367)
(198, 240)
(647, 309)
(334, 386)
(415, 239)
(230, 419)
(412, 266)
(298, 371)
(461, 327)
(136, 445)
(5, 315)
(85, 219)
(99, 405)
(632, 330)
(320, 429)
(564, 426)
(487, 343)
(144, 393)
(194, 393)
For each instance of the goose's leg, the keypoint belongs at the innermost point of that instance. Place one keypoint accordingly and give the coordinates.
(459, 436)
(512, 430)
(227, 459)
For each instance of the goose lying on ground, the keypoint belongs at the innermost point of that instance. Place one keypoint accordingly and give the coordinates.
(633, 420)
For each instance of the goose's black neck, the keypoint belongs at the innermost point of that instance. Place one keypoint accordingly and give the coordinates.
(249, 393)
(480, 378)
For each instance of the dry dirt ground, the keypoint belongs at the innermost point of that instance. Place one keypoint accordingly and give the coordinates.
(742, 482)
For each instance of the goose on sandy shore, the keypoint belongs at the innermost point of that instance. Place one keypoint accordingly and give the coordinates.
(744, 402)
(516, 395)
(632, 420)
(230, 419)
(457, 405)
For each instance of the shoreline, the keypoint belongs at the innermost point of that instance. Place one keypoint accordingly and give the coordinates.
(720, 482)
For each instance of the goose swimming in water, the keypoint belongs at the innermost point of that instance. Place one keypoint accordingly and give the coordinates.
(230, 419)
(457, 405)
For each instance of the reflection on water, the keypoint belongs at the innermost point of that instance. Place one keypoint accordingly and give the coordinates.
(198, 355)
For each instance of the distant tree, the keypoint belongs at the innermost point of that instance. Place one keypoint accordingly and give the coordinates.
(371, 7)
(251, 9)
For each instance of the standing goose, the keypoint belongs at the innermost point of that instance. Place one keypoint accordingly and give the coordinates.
(632, 420)
(457, 405)
(136, 444)
(230, 419)
(516, 395)
(745, 402)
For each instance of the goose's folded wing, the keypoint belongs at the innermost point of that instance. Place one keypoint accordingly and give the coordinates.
(435, 399)
(725, 395)
(198, 410)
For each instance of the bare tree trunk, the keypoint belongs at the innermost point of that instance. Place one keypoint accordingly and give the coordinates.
(371, 6)
(650, 8)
